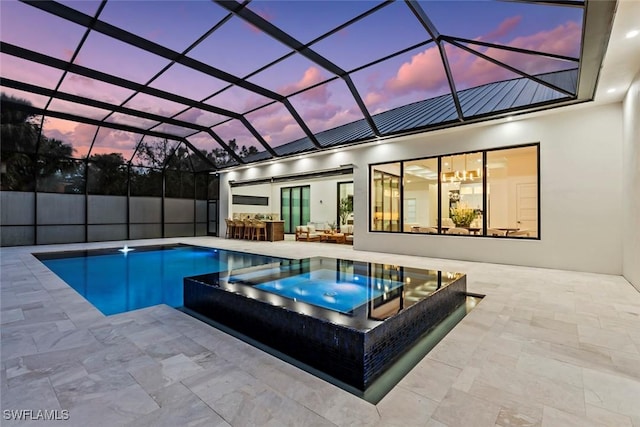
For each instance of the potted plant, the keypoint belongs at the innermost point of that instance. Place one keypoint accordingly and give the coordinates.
(462, 216)
(345, 209)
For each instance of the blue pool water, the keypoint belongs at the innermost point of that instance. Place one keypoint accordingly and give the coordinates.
(115, 282)
(320, 288)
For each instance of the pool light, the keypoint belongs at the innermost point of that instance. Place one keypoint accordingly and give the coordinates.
(126, 249)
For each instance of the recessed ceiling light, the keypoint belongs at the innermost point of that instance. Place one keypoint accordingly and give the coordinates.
(632, 34)
(509, 118)
(613, 89)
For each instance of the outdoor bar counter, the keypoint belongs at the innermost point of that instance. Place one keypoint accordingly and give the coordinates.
(275, 230)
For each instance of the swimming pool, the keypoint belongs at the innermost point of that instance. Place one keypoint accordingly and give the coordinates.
(115, 281)
(351, 320)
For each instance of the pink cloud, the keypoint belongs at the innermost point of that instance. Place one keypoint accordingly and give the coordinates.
(562, 40)
(191, 115)
(311, 76)
(278, 127)
(325, 112)
(115, 141)
(155, 34)
(503, 29)
(265, 111)
(67, 54)
(253, 102)
(234, 129)
(471, 71)
(424, 72)
(80, 136)
(334, 116)
(94, 89)
(264, 13)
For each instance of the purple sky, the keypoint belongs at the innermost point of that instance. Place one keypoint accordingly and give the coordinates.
(238, 48)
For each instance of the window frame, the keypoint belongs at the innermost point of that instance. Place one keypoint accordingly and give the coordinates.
(440, 157)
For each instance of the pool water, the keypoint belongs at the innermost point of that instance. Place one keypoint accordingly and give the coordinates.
(322, 288)
(116, 282)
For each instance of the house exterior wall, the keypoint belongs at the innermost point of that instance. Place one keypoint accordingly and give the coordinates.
(631, 185)
(581, 188)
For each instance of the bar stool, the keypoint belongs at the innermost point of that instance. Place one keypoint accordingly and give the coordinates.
(238, 228)
(248, 229)
(260, 230)
(230, 225)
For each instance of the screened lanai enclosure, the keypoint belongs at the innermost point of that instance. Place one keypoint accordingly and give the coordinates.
(118, 116)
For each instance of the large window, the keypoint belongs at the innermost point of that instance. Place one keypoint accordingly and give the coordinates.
(420, 196)
(483, 193)
(385, 191)
(462, 200)
(512, 187)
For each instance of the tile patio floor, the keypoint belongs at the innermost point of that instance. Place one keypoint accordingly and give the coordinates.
(544, 348)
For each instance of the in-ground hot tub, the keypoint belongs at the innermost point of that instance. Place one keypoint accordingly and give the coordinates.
(348, 319)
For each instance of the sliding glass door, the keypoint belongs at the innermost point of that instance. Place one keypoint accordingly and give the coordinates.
(295, 206)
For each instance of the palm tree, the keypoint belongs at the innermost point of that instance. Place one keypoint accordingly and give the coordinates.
(19, 132)
(19, 136)
(107, 174)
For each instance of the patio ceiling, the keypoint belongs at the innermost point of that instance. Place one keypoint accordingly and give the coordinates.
(290, 77)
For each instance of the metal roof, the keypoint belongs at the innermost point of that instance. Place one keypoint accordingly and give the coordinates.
(283, 78)
(492, 98)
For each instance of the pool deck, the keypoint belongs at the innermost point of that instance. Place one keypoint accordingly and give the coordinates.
(543, 348)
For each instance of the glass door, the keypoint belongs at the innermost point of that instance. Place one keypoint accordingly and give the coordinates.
(285, 208)
(296, 214)
(305, 206)
(295, 207)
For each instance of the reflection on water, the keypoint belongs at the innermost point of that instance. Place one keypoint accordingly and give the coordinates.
(362, 290)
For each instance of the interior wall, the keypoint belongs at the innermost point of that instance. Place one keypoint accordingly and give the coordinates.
(323, 197)
(581, 191)
(631, 184)
(261, 190)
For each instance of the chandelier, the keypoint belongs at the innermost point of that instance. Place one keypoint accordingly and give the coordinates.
(461, 175)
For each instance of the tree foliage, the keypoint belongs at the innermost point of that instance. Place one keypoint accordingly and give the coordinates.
(108, 174)
(18, 129)
(28, 155)
(345, 208)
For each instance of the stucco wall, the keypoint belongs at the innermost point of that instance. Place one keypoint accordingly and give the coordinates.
(581, 191)
(631, 185)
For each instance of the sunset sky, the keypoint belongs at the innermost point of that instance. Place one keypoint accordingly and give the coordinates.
(240, 49)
